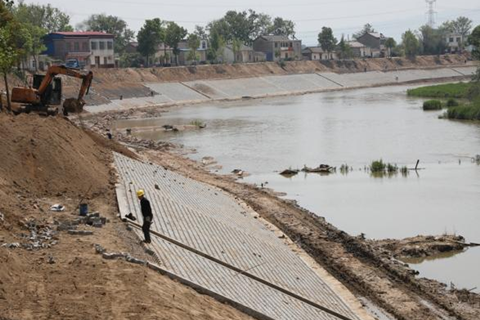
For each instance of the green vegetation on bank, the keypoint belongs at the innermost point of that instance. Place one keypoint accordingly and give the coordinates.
(432, 105)
(449, 90)
(469, 111)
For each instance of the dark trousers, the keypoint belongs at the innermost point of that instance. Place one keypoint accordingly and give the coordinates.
(146, 230)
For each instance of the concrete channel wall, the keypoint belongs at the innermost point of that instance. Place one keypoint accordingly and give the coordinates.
(212, 241)
(267, 86)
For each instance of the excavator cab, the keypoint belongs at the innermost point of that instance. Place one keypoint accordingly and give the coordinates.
(53, 93)
(46, 92)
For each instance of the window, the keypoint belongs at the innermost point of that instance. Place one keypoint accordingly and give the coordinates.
(291, 44)
(459, 39)
(69, 46)
(94, 45)
(110, 45)
(85, 46)
(276, 45)
(76, 46)
(204, 45)
(102, 45)
(451, 39)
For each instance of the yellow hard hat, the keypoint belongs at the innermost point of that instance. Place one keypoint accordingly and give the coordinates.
(140, 193)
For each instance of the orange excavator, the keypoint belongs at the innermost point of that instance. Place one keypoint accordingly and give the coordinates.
(45, 95)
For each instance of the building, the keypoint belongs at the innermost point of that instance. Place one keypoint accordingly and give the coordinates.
(92, 49)
(159, 57)
(360, 50)
(317, 53)
(245, 54)
(455, 42)
(278, 47)
(376, 42)
(184, 54)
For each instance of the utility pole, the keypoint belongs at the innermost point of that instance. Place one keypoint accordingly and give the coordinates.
(431, 13)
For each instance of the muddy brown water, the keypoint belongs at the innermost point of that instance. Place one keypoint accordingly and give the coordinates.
(353, 127)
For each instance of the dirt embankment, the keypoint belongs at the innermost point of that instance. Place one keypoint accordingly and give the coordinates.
(110, 84)
(48, 273)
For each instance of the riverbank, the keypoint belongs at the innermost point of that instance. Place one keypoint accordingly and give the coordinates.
(366, 271)
(201, 91)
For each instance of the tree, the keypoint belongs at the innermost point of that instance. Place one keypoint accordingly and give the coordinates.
(345, 49)
(390, 43)
(410, 44)
(236, 45)
(474, 40)
(131, 60)
(43, 16)
(282, 27)
(149, 38)
(432, 40)
(109, 24)
(462, 25)
(368, 28)
(326, 40)
(173, 35)
(193, 43)
(8, 49)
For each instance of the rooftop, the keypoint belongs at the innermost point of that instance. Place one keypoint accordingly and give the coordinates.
(314, 49)
(276, 38)
(84, 33)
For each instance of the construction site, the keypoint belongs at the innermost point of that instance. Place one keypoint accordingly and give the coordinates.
(71, 223)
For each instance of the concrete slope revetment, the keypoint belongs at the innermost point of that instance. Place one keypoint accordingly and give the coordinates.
(208, 238)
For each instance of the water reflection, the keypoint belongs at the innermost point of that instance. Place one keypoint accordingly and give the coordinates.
(443, 255)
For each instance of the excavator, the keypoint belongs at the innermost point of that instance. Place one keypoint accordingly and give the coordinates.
(45, 95)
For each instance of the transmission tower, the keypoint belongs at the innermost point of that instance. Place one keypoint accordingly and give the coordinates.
(431, 13)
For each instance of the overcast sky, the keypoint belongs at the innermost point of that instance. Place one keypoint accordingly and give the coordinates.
(391, 17)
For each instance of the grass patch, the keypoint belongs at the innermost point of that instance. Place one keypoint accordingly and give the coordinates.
(442, 91)
(469, 111)
(452, 103)
(432, 105)
(378, 166)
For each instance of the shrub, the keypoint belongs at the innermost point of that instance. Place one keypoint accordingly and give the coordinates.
(432, 105)
(377, 166)
(452, 103)
(464, 112)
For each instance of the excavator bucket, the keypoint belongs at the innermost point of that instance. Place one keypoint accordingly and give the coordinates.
(73, 105)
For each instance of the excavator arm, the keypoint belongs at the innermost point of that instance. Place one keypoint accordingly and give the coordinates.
(36, 96)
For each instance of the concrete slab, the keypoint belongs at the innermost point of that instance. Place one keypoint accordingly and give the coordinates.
(212, 222)
(176, 92)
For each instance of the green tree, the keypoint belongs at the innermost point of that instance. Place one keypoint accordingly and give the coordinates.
(173, 35)
(462, 25)
(193, 42)
(432, 40)
(410, 44)
(282, 27)
(344, 49)
(8, 49)
(236, 45)
(110, 24)
(390, 43)
(326, 40)
(367, 28)
(131, 60)
(149, 38)
(474, 40)
(43, 16)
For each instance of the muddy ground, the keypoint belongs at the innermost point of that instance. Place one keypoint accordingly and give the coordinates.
(366, 268)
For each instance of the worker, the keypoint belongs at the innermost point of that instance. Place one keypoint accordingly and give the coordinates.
(147, 215)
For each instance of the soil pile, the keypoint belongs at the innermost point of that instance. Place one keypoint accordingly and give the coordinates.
(48, 156)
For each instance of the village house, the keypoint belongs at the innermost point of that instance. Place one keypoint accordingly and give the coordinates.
(360, 50)
(245, 54)
(317, 53)
(158, 58)
(278, 47)
(184, 54)
(91, 49)
(455, 42)
(376, 42)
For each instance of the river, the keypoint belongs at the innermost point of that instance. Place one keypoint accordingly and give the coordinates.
(352, 127)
